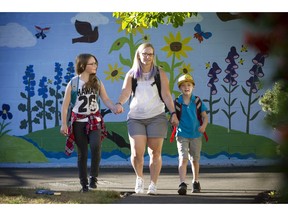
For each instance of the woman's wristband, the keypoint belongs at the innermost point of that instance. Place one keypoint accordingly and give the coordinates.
(172, 113)
(118, 103)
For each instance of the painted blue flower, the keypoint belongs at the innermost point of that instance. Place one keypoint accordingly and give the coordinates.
(5, 112)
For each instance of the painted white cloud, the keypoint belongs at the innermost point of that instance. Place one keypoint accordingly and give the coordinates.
(14, 35)
(95, 19)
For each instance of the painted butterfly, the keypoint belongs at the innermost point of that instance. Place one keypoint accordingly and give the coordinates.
(199, 35)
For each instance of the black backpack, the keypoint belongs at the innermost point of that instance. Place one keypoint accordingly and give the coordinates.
(157, 82)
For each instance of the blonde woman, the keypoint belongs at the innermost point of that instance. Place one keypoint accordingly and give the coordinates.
(146, 120)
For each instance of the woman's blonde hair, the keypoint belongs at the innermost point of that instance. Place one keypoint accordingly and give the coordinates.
(136, 69)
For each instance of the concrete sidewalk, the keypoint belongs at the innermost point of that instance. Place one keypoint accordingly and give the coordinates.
(219, 185)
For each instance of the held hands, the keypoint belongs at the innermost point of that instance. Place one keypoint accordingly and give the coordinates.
(174, 120)
(118, 108)
(201, 129)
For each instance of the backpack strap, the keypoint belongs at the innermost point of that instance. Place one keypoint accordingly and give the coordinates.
(158, 82)
(134, 85)
(74, 88)
(98, 92)
(178, 108)
(198, 103)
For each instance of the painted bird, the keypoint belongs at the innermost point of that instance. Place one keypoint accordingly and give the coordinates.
(85, 28)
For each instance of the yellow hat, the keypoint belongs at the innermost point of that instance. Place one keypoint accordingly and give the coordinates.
(185, 78)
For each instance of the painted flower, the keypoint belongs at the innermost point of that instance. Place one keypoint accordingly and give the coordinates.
(186, 69)
(114, 73)
(146, 38)
(175, 45)
(5, 112)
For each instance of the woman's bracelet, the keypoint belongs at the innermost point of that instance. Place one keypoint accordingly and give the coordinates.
(172, 113)
(118, 103)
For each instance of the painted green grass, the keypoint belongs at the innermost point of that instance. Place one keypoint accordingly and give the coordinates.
(14, 149)
(220, 140)
(234, 142)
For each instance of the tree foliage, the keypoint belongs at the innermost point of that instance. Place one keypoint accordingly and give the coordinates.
(132, 20)
(274, 103)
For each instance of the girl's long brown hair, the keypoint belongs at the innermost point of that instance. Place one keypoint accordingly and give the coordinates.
(81, 63)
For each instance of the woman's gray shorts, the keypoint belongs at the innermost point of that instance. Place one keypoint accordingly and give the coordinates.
(189, 148)
(152, 127)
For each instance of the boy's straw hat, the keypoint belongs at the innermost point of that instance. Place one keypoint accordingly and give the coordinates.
(185, 78)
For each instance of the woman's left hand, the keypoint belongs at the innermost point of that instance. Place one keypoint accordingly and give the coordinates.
(174, 120)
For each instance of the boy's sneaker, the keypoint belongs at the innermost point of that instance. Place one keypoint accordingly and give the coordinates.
(139, 187)
(152, 189)
(196, 188)
(182, 190)
(93, 182)
(84, 189)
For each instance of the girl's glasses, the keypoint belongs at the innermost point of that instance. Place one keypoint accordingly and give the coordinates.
(93, 64)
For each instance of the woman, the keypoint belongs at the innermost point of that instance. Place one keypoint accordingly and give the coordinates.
(147, 122)
(86, 122)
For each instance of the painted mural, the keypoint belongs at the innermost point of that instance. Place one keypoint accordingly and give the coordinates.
(37, 54)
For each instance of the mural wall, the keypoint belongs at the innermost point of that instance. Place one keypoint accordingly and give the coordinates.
(37, 58)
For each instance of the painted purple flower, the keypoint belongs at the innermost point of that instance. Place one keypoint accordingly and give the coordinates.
(5, 112)
(213, 74)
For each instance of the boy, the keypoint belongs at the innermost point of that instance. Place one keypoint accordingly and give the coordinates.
(189, 133)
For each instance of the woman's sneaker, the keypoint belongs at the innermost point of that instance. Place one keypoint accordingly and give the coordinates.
(139, 187)
(196, 188)
(182, 190)
(152, 189)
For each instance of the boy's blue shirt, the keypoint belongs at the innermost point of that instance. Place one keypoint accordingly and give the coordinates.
(189, 124)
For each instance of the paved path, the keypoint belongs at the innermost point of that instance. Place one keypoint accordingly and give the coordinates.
(219, 185)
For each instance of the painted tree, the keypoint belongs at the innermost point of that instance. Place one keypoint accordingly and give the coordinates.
(29, 82)
(44, 104)
(55, 92)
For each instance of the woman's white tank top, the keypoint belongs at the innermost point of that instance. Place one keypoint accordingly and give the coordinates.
(146, 102)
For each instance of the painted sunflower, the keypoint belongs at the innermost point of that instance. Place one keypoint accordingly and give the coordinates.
(185, 69)
(114, 73)
(177, 46)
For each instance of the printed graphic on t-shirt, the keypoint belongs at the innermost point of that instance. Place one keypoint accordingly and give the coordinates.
(86, 102)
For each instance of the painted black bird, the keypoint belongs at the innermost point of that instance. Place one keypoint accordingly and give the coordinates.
(85, 28)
